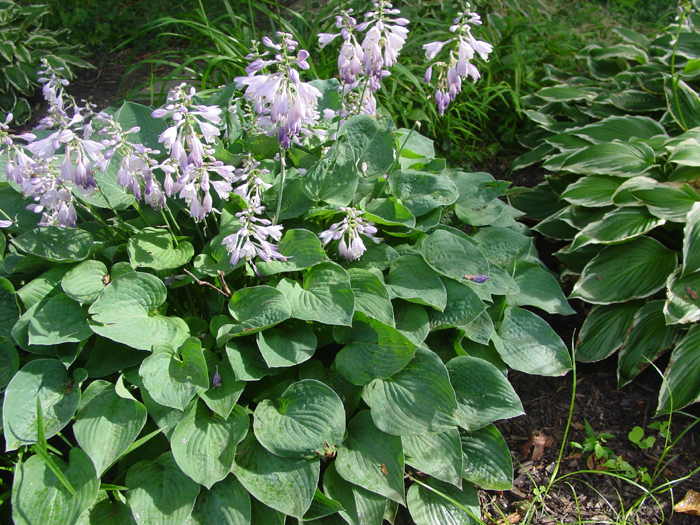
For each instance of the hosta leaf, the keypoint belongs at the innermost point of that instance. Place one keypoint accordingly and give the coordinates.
(221, 398)
(9, 361)
(125, 312)
(422, 192)
(326, 295)
(389, 211)
(46, 285)
(649, 337)
(321, 506)
(487, 461)
(302, 249)
(246, 360)
(58, 393)
(439, 455)
(107, 424)
(367, 453)
(682, 102)
(484, 395)
(306, 421)
(415, 400)
(604, 330)
(682, 384)
(38, 496)
(462, 307)
(537, 287)
(611, 158)
(682, 305)
(434, 504)
(285, 484)
(620, 128)
(256, 308)
(453, 256)
(9, 309)
(107, 512)
(633, 270)
(159, 492)
(668, 200)
(617, 226)
(502, 246)
(371, 296)
(108, 357)
(593, 190)
(360, 506)
(227, 503)
(85, 282)
(55, 244)
(411, 279)
(59, 320)
(691, 240)
(153, 248)
(287, 344)
(173, 377)
(411, 321)
(204, 444)
(372, 351)
(527, 343)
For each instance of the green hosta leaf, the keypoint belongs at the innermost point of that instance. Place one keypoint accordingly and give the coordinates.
(682, 305)
(537, 287)
(321, 506)
(411, 279)
(107, 512)
(624, 197)
(480, 329)
(411, 321)
(9, 361)
(668, 200)
(126, 310)
(85, 282)
(59, 320)
(165, 417)
(487, 460)
(453, 256)
(527, 343)
(20, 332)
(691, 241)
(390, 212)
(159, 492)
(302, 249)
(111, 194)
(131, 114)
(287, 344)
(373, 351)
(55, 244)
(360, 506)
(439, 455)
(682, 102)
(422, 192)
(686, 153)
(593, 190)
(604, 330)
(227, 503)
(326, 295)
(682, 385)
(108, 357)
(107, 424)
(617, 226)
(633, 270)
(367, 453)
(463, 307)
(429, 505)
(38, 496)
(502, 246)
(153, 248)
(173, 377)
(371, 296)
(9, 309)
(484, 395)
(415, 400)
(306, 421)
(246, 360)
(204, 444)
(620, 129)
(565, 94)
(222, 398)
(58, 393)
(649, 337)
(256, 308)
(285, 484)
(46, 285)
(612, 158)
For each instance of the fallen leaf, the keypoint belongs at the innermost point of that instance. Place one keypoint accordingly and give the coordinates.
(690, 504)
(538, 442)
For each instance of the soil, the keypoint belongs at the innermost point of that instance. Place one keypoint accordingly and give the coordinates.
(535, 438)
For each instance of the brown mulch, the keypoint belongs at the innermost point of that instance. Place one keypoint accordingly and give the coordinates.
(535, 438)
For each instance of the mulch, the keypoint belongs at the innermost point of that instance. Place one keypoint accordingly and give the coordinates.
(580, 498)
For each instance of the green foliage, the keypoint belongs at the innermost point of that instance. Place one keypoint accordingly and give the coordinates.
(622, 150)
(23, 43)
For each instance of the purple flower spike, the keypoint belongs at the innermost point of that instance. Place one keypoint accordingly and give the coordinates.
(216, 382)
(480, 278)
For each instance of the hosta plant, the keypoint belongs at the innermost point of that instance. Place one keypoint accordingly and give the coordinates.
(233, 311)
(622, 146)
(23, 43)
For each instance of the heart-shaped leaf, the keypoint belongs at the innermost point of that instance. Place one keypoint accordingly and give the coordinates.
(59, 320)
(411, 279)
(85, 282)
(56, 244)
(439, 455)
(360, 506)
(487, 460)
(436, 504)
(153, 248)
(227, 503)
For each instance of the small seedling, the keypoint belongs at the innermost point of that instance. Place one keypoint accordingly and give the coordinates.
(636, 436)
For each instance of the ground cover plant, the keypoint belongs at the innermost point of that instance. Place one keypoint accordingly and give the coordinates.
(266, 303)
(621, 147)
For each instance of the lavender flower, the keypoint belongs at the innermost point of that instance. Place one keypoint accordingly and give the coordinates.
(285, 105)
(353, 225)
(463, 49)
